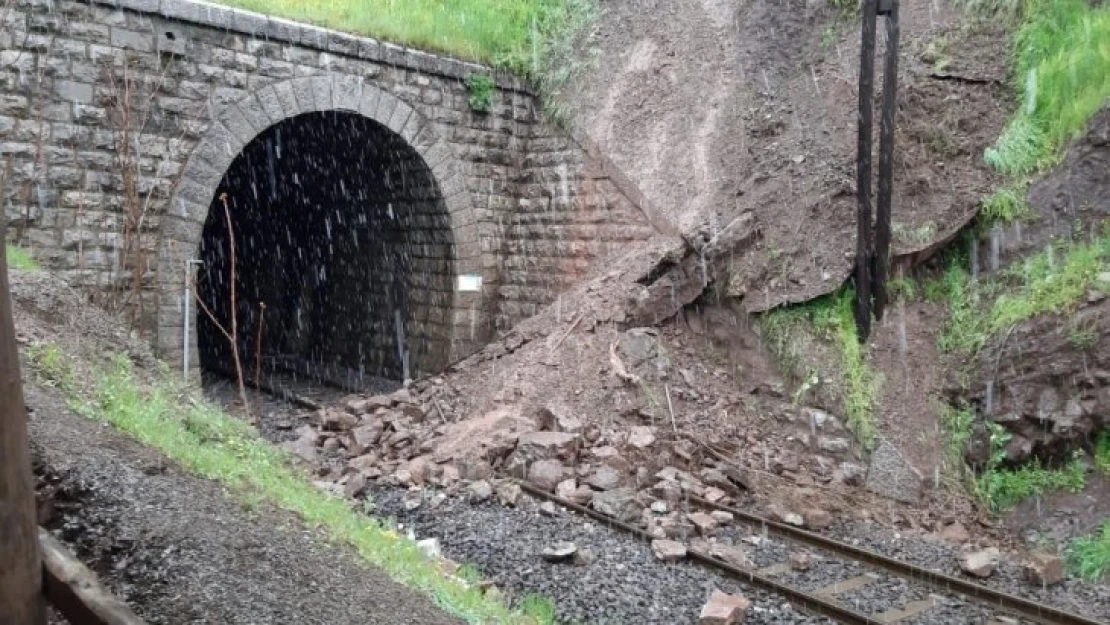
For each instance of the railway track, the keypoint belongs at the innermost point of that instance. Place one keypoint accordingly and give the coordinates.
(930, 602)
(935, 589)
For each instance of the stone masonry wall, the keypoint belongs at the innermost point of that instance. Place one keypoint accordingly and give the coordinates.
(122, 116)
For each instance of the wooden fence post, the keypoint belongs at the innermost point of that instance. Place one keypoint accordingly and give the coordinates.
(21, 598)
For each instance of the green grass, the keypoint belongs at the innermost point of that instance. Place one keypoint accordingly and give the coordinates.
(956, 424)
(831, 318)
(514, 34)
(19, 258)
(213, 445)
(1061, 64)
(1003, 488)
(1053, 281)
(1089, 556)
(1005, 205)
(1102, 452)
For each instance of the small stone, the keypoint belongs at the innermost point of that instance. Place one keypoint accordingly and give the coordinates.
(548, 508)
(891, 475)
(800, 561)
(980, 563)
(566, 489)
(604, 478)
(414, 413)
(401, 396)
(338, 421)
(955, 533)
(1044, 569)
(730, 555)
(368, 434)
(430, 547)
(479, 491)
(668, 550)
(724, 609)
(304, 447)
(849, 474)
(619, 503)
(714, 494)
(817, 519)
(473, 469)
(418, 469)
(793, 518)
(508, 493)
(559, 552)
(584, 557)
(413, 501)
(403, 477)
(722, 516)
(834, 445)
(547, 445)
(547, 474)
(641, 436)
(355, 486)
(556, 416)
(706, 524)
(659, 507)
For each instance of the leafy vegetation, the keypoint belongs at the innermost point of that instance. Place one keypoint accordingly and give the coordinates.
(18, 258)
(1102, 453)
(507, 33)
(1089, 556)
(479, 92)
(1005, 205)
(956, 423)
(1053, 281)
(831, 318)
(216, 446)
(1061, 56)
(1002, 488)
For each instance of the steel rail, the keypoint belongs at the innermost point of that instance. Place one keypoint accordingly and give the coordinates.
(941, 581)
(803, 600)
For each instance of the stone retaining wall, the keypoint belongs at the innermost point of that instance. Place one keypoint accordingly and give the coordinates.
(123, 116)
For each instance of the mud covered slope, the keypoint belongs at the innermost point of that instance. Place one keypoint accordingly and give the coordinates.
(717, 108)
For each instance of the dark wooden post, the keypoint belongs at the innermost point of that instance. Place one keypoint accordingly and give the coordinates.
(863, 170)
(889, 8)
(21, 598)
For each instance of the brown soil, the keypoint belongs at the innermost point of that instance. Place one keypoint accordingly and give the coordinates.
(717, 108)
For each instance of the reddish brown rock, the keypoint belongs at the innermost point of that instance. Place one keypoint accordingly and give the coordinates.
(1044, 569)
(668, 550)
(724, 609)
(547, 474)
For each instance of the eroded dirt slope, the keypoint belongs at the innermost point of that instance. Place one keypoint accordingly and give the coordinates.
(715, 108)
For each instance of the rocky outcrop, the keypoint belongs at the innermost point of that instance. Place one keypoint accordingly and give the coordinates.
(1048, 381)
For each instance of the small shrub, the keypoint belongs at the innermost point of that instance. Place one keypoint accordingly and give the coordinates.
(1102, 452)
(1004, 206)
(479, 92)
(19, 258)
(1002, 489)
(1089, 556)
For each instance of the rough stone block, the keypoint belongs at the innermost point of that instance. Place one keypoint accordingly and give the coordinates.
(132, 40)
(891, 475)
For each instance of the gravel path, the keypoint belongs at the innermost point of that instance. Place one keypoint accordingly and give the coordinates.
(180, 551)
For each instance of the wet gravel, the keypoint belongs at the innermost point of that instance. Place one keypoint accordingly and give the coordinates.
(625, 585)
(1075, 595)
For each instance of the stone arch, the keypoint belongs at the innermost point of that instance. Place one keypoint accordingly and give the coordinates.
(235, 127)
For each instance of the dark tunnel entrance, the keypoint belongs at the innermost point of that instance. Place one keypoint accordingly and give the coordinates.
(342, 233)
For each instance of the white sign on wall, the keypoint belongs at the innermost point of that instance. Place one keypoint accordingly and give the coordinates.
(470, 282)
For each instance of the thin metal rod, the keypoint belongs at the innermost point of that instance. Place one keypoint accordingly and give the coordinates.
(886, 159)
(863, 171)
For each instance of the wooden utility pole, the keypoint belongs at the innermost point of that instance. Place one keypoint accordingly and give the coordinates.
(21, 597)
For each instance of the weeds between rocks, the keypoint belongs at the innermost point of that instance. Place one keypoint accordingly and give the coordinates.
(830, 317)
(19, 258)
(213, 445)
(1089, 556)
